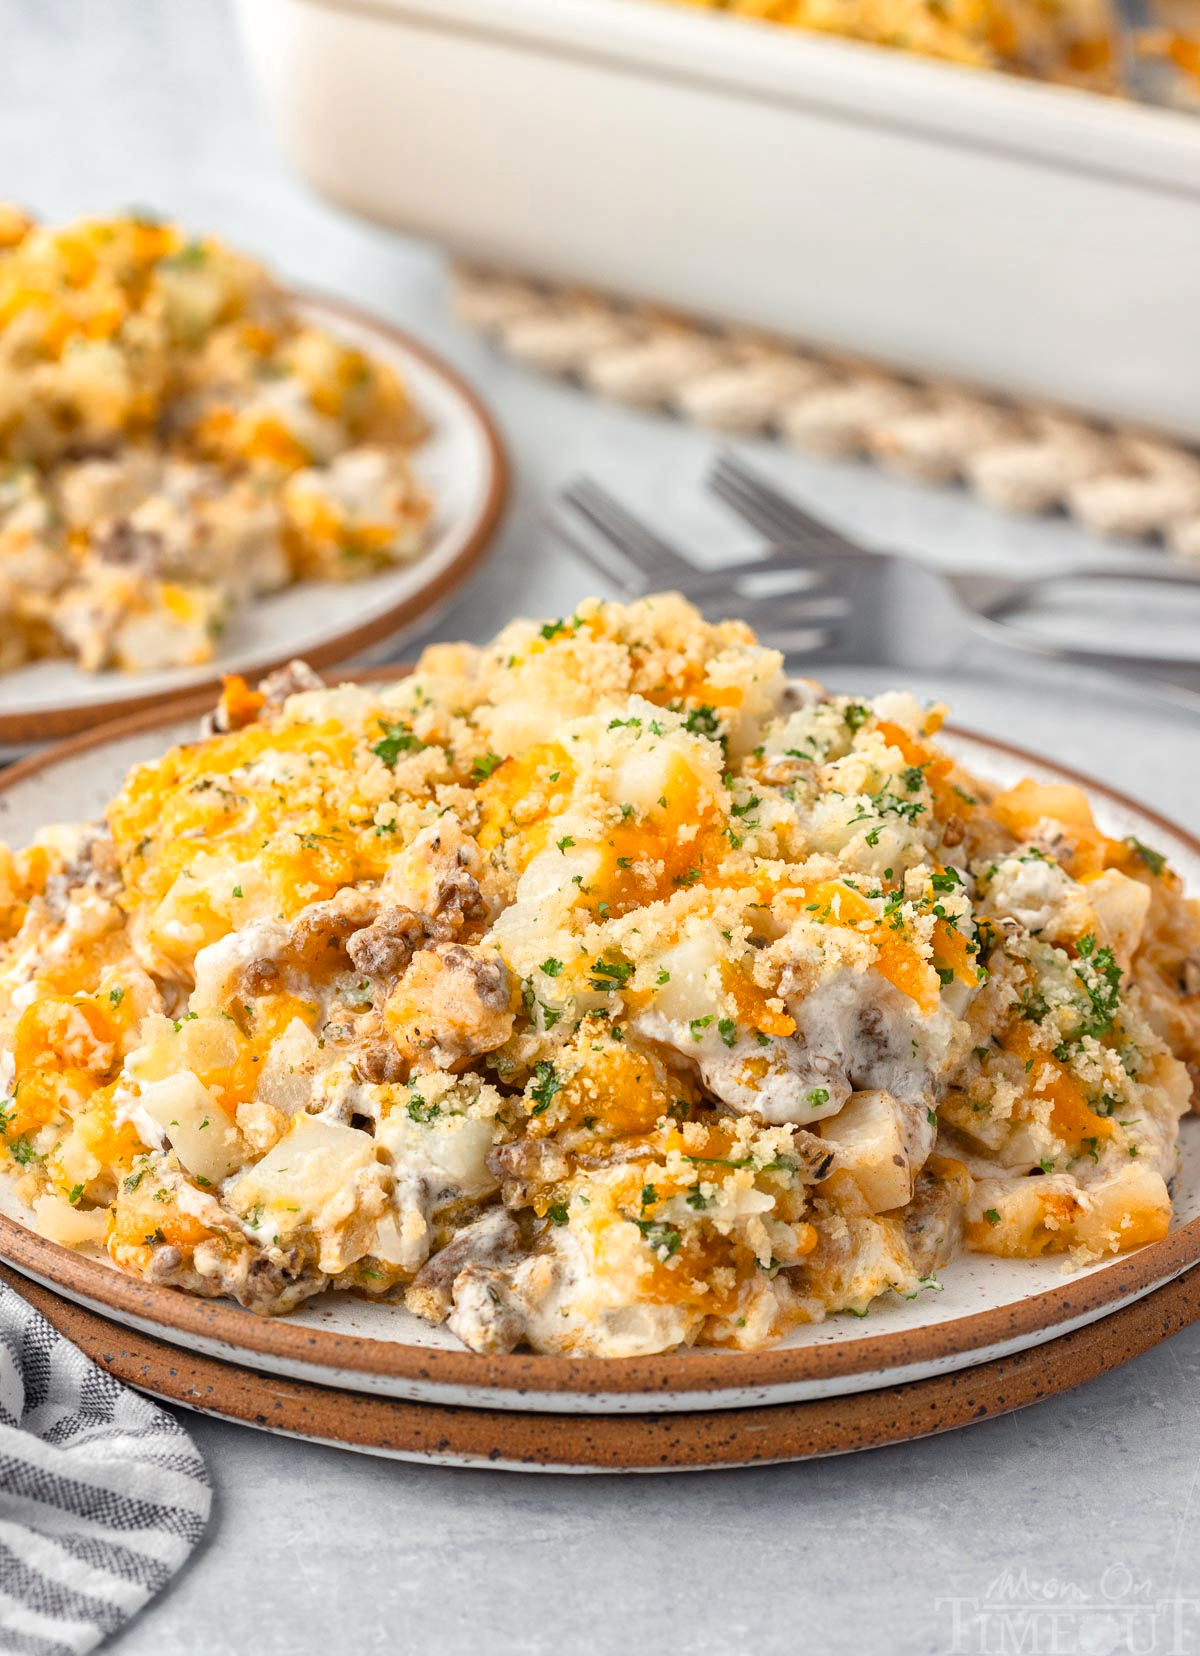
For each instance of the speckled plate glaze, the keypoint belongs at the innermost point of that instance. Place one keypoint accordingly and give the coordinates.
(462, 461)
(706, 1440)
(987, 1309)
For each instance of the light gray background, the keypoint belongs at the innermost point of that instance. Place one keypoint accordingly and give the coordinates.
(105, 103)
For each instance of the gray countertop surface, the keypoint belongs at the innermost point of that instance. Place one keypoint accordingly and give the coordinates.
(1071, 1526)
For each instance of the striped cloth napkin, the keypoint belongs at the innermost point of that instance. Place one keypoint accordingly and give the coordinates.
(102, 1494)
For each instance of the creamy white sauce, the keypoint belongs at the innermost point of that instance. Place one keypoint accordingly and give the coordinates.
(1029, 891)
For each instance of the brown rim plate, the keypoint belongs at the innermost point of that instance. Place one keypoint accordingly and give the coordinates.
(690, 1442)
(342, 1342)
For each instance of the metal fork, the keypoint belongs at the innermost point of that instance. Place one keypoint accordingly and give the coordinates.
(821, 598)
(979, 602)
(787, 525)
(803, 621)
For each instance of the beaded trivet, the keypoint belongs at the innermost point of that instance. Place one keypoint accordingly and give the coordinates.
(1016, 456)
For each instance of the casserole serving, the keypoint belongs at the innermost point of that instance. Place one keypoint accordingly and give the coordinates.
(178, 440)
(595, 992)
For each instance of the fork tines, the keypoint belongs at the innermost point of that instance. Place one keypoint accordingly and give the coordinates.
(767, 509)
(793, 602)
(655, 557)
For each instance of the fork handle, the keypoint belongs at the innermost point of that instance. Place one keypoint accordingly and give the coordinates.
(1176, 677)
(1166, 574)
(1003, 632)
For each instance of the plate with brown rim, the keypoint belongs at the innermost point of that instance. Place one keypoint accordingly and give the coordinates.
(983, 1309)
(462, 461)
(700, 1441)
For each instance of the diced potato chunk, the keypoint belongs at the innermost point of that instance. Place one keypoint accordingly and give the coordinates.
(63, 1223)
(456, 1144)
(868, 1137)
(692, 985)
(1121, 906)
(1126, 1212)
(554, 871)
(201, 1134)
(1021, 1218)
(286, 1082)
(645, 775)
(313, 1162)
(1028, 803)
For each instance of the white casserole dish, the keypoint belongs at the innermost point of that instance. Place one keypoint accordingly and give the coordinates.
(1033, 239)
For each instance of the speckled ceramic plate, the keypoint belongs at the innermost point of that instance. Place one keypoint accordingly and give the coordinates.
(463, 463)
(986, 1309)
(705, 1440)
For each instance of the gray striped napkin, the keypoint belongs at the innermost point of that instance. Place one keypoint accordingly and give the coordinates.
(102, 1493)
